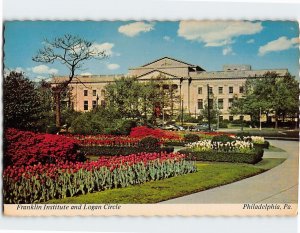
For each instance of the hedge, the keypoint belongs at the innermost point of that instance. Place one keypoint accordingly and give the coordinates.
(265, 145)
(175, 143)
(111, 150)
(215, 156)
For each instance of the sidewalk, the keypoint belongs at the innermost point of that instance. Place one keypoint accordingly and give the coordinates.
(278, 185)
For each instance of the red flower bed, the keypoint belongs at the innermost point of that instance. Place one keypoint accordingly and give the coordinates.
(105, 140)
(29, 148)
(143, 131)
(40, 183)
(111, 162)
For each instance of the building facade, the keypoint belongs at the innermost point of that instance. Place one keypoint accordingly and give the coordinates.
(193, 84)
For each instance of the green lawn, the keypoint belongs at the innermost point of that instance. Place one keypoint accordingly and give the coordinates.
(209, 175)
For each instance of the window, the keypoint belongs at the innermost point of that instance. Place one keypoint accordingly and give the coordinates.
(103, 103)
(210, 103)
(241, 89)
(220, 103)
(86, 105)
(200, 104)
(220, 118)
(241, 118)
(230, 118)
(230, 101)
(210, 90)
(85, 92)
(94, 92)
(230, 90)
(220, 90)
(200, 90)
(94, 103)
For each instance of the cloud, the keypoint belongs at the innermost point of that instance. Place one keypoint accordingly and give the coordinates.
(216, 33)
(113, 66)
(167, 38)
(134, 29)
(251, 41)
(228, 51)
(39, 78)
(43, 69)
(282, 43)
(19, 70)
(107, 47)
(86, 74)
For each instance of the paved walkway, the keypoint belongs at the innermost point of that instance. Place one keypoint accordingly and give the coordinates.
(278, 185)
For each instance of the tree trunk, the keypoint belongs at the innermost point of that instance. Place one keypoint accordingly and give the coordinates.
(57, 109)
(276, 120)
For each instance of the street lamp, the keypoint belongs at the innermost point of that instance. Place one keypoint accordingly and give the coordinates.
(163, 112)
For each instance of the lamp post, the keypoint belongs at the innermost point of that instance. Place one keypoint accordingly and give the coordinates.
(259, 118)
(208, 108)
(218, 120)
(163, 112)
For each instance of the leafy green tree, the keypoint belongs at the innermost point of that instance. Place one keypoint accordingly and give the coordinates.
(271, 94)
(214, 112)
(21, 102)
(139, 100)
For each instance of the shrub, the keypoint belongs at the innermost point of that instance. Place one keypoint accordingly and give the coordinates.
(144, 131)
(28, 148)
(149, 142)
(222, 138)
(191, 137)
(216, 156)
(223, 125)
(264, 145)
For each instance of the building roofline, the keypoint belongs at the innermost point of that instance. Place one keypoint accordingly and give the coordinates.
(144, 66)
(159, 72)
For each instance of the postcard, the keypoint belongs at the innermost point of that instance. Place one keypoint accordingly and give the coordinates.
(151, 118)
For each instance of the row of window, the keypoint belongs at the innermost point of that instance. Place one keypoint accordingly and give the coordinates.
(94, 104)
(230, 118)
(220, 90)
(94, 92)
(211, 103)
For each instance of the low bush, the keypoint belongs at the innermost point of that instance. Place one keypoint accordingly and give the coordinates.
(144, 131)
(191, 137)
(265, 145)
(216, 156)
(29, 148)
(149, 143)
(223, 125)
(222, 138)
(111, 150)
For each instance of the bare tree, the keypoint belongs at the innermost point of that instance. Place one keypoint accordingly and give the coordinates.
(71, 51)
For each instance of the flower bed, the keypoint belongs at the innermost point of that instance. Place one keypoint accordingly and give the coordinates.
(105, 140)
(39, 183)
(29, 148)
(236, 151)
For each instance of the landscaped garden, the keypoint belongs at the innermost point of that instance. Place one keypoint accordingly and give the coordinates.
(138, 168)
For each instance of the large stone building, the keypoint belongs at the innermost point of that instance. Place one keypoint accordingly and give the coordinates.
(190, 81)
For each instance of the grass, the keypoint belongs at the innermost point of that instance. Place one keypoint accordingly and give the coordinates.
(209, 175)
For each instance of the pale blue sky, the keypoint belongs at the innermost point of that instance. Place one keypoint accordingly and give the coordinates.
(209, 44)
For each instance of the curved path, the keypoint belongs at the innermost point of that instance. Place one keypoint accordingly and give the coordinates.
(278, 185)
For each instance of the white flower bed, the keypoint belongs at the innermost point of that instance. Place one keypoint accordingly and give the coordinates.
(235, 146)
(253, 139)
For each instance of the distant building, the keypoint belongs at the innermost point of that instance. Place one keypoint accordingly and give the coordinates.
(190, 81)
